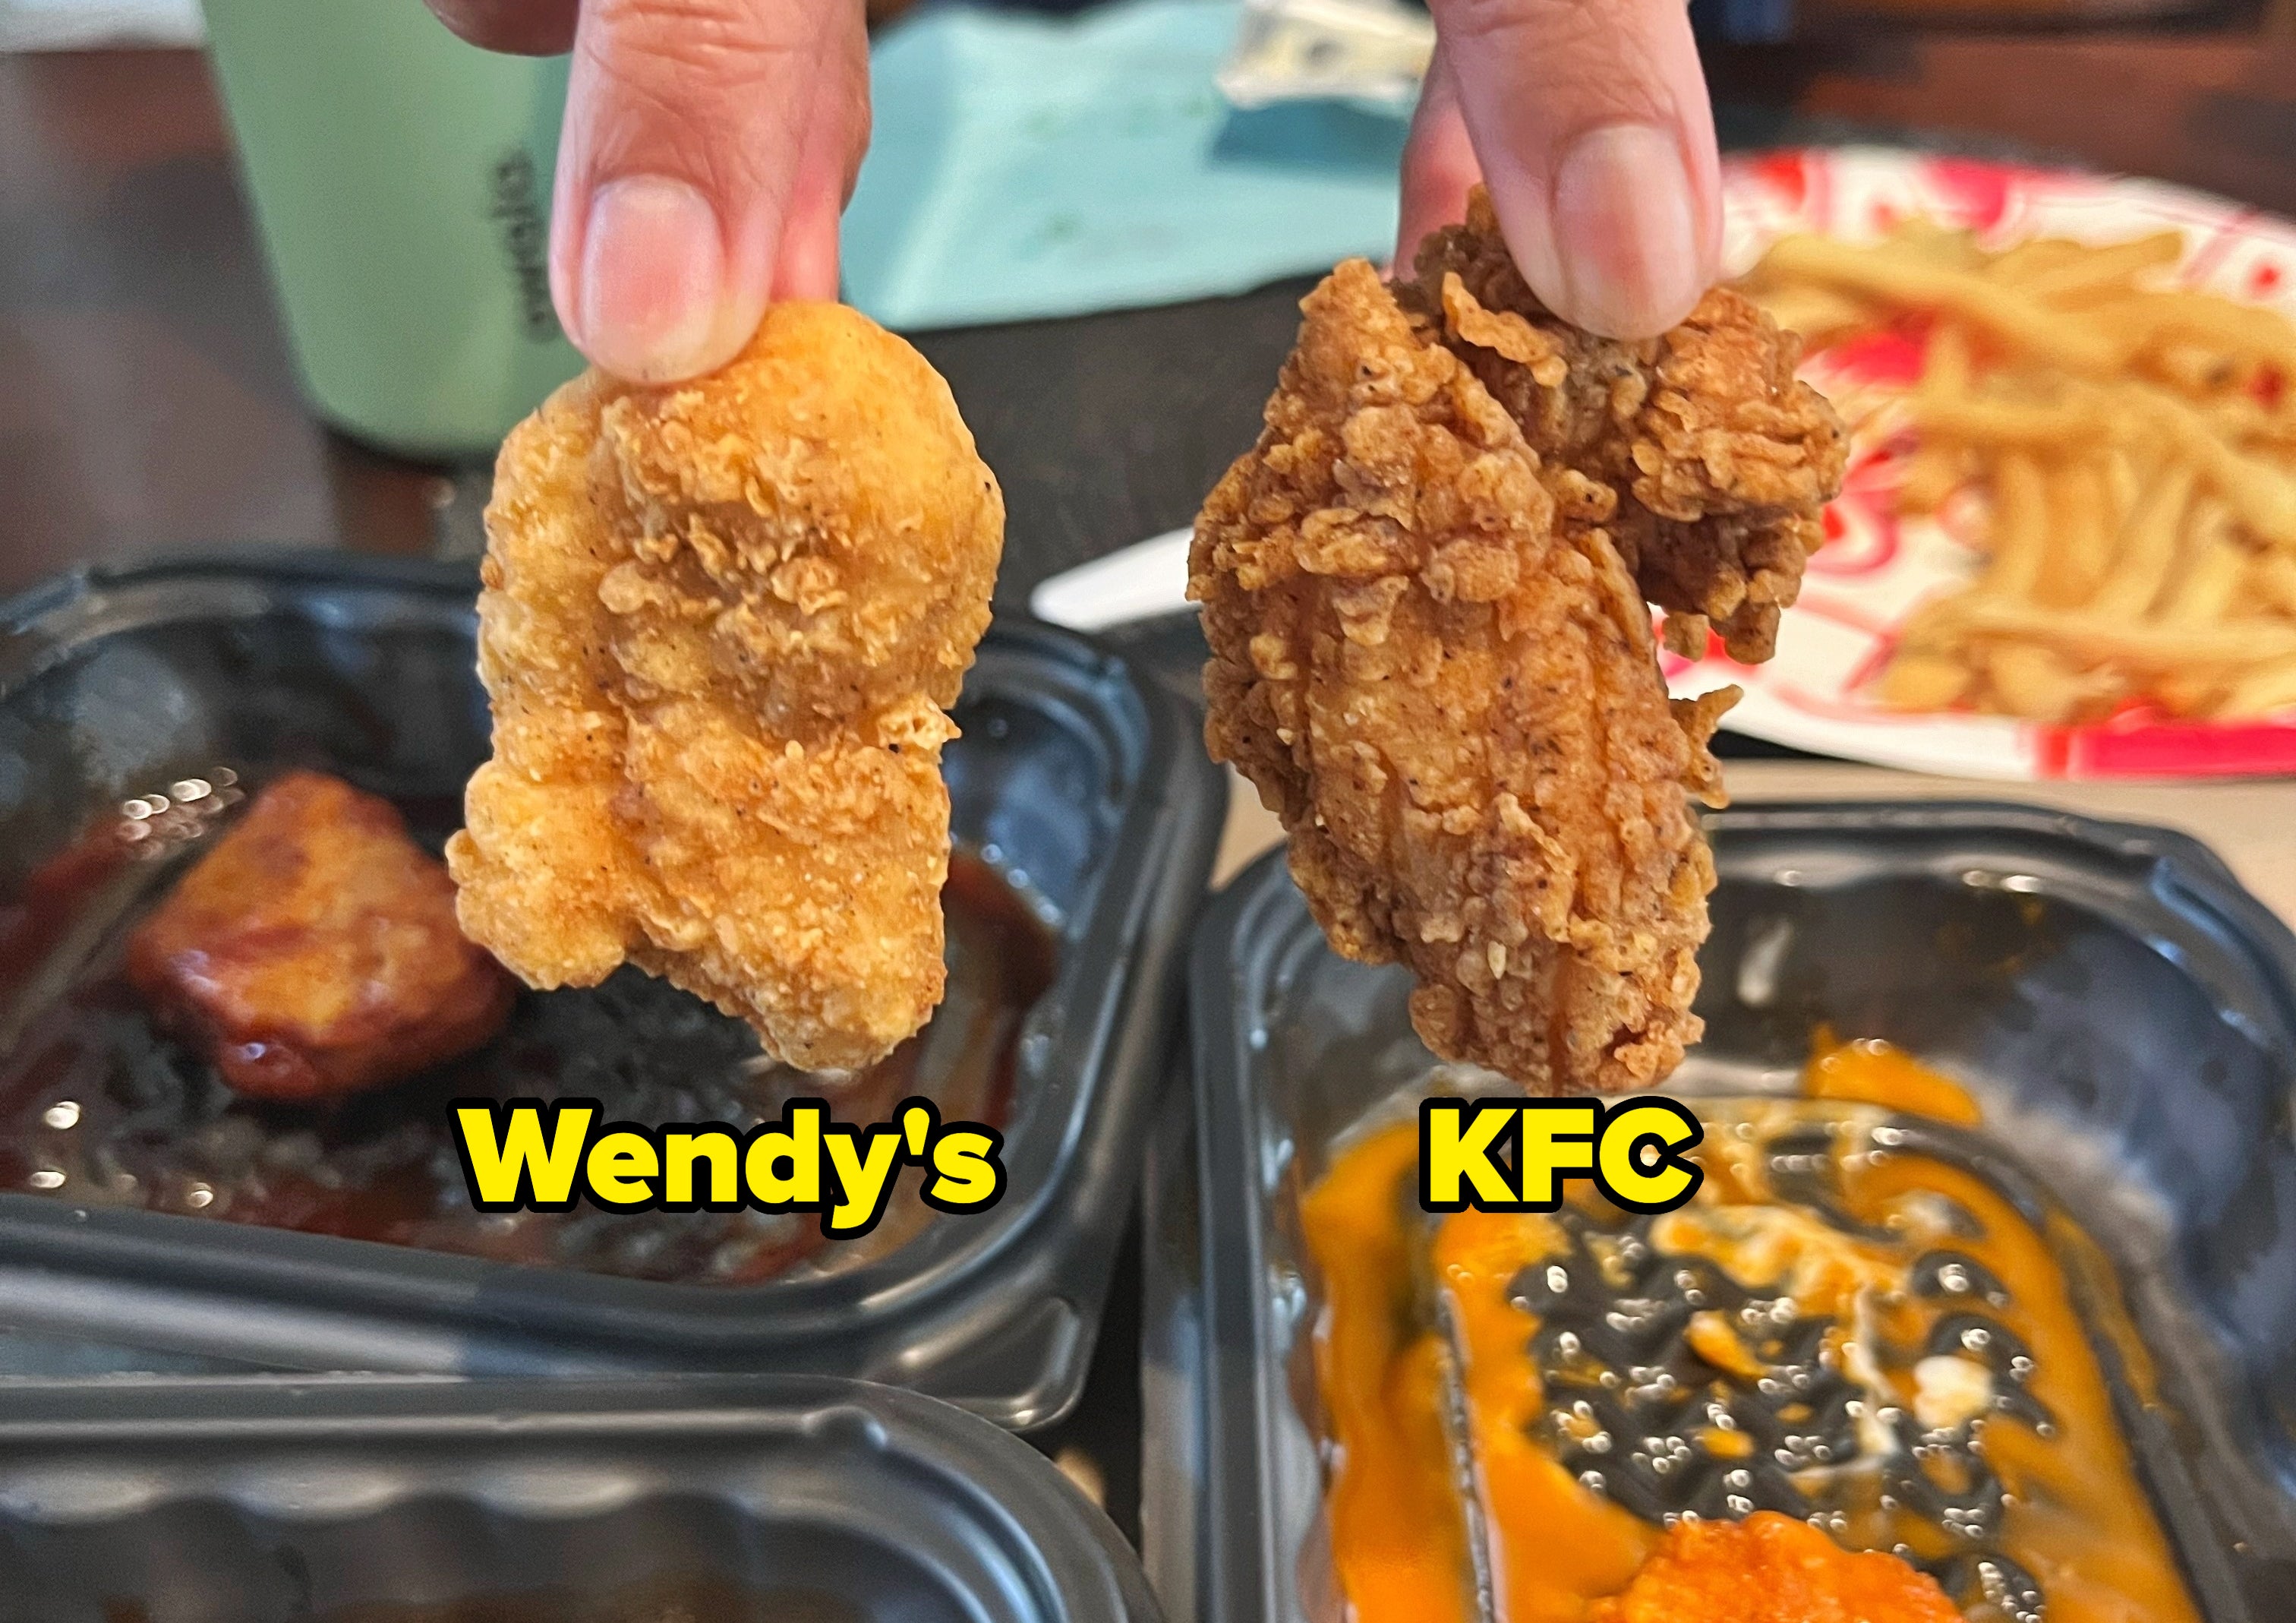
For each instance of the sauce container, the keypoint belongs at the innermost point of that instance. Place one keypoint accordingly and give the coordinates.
(2122, 1011)
(399, 1501)
(1085, 792)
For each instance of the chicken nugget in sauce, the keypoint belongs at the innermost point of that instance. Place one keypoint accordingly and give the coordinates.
(1771, 1568)
(314, 954)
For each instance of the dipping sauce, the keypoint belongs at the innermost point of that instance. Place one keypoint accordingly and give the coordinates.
(100, 1107)
(1847, 1325)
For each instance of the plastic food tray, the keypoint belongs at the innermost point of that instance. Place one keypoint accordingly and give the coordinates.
(260, 1501)
(1074, 774)
(2115, 1002)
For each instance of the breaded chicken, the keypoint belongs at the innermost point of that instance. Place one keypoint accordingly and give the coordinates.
(721, 626)
(1720, 459)
(1432, 659)
(1772, 1569)
(313, 952)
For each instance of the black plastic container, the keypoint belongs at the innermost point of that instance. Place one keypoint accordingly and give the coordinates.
(805, 1498)
(2111, 983)
(1086, 789)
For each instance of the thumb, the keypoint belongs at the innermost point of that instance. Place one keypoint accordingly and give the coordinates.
(1590, 122)
(687, 122)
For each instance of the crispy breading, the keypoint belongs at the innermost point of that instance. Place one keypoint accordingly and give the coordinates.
(1431, 657)
(1439, 675)
(720, 627)
(312, 952)
(1719, 456)
(1772, 1569)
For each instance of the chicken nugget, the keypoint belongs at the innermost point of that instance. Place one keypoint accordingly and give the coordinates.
(721, 625)
(1772, 1569)
(313, 951)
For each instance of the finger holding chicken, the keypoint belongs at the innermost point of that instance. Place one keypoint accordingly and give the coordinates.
(1719, 458)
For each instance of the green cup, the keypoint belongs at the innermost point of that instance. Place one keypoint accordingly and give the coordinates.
(401, 181)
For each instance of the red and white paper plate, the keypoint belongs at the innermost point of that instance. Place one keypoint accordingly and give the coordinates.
(1819, 693)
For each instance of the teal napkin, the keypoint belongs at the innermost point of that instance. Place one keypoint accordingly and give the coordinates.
(1029, 167)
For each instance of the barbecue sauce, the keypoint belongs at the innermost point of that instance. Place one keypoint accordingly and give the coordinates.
(99, 1106)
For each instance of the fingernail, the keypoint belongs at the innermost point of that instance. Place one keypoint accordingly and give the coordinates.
(1626, 231)
(653, 280)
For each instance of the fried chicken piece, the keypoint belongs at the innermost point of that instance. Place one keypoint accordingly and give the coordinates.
(1431, 657)
(1719, 458)
(1771, 1568)
(313, 952)
(1434, 666)
(720, 627)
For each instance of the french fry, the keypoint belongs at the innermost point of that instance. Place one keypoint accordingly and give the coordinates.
(2020, 518)
(2079, 534)
(2262, 692)
(2148, 544)
(1923, 238)
(1926, 681)
(2193, 369)
(2083, 634)
(2021, 265)
(1816, 313)
(2272, 581)
(2247, 422)
(2208, 570)
(2037, 683)
(2090, 270)
(2190, 693)
(2057, 425)
(2134, 449)
(2005, 313)
(2123, 485)
(1933, 473)
(2205, 521)
(2234, 329)
(2260, 494)
(1937, 465)
(1947, 364)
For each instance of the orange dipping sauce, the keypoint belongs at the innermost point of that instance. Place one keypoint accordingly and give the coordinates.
(1845, 1324)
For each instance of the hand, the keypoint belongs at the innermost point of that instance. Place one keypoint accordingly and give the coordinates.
(1589, 122)
(709, 147)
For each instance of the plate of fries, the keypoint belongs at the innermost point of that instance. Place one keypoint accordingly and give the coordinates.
(2066, 543)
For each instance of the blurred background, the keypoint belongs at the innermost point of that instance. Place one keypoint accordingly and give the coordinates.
(300, 311)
